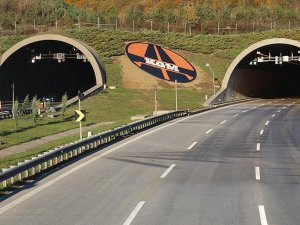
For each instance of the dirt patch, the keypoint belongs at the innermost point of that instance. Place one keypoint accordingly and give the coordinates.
(135, 78)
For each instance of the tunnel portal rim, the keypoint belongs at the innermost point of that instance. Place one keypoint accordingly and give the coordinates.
(89, 52)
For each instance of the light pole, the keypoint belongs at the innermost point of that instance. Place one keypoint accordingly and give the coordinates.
(207, 64)
(155, 101)
(176, 99)
(13, 100)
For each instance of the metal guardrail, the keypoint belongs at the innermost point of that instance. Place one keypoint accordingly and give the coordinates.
(24, 170)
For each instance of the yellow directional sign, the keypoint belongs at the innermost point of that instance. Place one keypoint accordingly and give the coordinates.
(80, 115)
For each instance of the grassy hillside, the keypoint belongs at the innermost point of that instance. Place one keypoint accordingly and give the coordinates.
(216, 50)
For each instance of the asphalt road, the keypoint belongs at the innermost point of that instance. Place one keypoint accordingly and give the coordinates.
(237, 165)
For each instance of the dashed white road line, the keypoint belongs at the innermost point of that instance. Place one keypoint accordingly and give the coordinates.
(284, 107)
(273, 115)
(261, 132)
(207, 132)
(258, 147)
(257, 173)
(235, 115)
(267, 123)
(262, 215)
(254, 107)
(223, 122)
(192, 145)
(134, 213)
(167, 171)
(279, 111)
(244, 110)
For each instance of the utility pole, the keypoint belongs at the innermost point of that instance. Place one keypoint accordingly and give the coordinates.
(214, 87)
(155, 100)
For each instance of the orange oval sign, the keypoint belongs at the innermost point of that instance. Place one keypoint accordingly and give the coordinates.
(161, 62)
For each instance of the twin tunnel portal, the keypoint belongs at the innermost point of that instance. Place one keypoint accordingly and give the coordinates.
(56, 64)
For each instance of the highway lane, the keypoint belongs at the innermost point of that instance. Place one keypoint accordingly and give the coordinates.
(209, 163)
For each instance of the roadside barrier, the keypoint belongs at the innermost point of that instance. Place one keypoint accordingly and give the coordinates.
(40, 163)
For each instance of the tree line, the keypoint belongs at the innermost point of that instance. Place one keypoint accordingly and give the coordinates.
(193, 12)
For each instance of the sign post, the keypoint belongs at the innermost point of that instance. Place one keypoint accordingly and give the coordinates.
(80, 115)
(176, 95)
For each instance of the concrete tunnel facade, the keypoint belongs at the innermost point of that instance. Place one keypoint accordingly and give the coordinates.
(50, 63)
(264, 80)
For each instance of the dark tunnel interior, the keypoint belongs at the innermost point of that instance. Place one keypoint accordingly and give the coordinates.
(47, 75)
(268, 80)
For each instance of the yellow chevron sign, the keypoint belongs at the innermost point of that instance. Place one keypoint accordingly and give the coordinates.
(80, 115)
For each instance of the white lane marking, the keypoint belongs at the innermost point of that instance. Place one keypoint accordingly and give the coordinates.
(267, 123)
(207, 132)
(261, 132)
(254, 107)
(273, 115)
(258, 147)
(284, 107)
(262, 215)
(167, 171)
(73, 170)
(262, 105)
(192, 145)
(257, 173)
(223, 122)
(235, 115)
(279, 111)
(134, 213)
(244, 111)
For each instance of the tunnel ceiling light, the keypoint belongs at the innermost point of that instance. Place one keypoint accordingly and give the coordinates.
(60, 57)
(278, 60)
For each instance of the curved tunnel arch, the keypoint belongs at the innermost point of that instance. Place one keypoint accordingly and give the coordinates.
(265, 80)
(71, 76)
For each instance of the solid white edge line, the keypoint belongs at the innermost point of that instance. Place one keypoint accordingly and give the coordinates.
(207, 132)
(192, 145)
(261, 132)
(167, 171)
(134, 213)
(267, 123)
(262, 215)
(257, 173)
(258, 147)
(223, 122)
(74, 169)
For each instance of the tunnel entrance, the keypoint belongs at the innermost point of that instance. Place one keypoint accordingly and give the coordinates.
(268, 79)
(45, 67)
(267, 69)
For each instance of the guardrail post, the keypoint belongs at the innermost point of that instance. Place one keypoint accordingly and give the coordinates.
(50, 162)
(4, 184)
